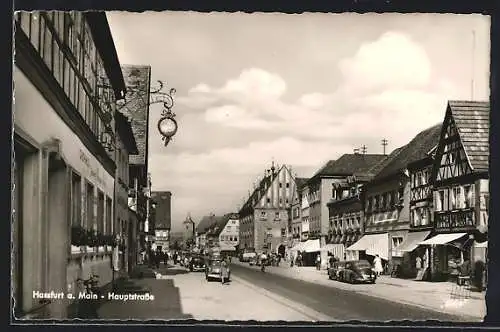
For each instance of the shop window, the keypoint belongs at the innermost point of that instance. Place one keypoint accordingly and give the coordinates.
(76, 199)
(89, 197)
(424, 216)
(440, 200)
(468, 196)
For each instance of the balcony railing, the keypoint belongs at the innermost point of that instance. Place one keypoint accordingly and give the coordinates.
(455, 219)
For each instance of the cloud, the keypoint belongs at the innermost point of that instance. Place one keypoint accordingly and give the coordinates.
(387, 81)
(393, 60)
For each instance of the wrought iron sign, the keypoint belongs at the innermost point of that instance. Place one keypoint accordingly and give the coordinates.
(167, 125)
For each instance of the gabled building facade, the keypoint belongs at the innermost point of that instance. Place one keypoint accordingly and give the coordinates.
(460, 178)
(162, 201)
(264, 217)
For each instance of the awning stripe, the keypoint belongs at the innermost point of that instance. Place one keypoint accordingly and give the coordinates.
(443, 238)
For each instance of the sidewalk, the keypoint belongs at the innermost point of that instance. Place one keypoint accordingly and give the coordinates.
(429, 295)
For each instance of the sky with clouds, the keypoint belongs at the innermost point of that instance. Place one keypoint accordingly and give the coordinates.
(299, 89)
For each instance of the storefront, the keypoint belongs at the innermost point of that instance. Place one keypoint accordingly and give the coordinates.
(447, 253)
(369, 246)
(409, 250)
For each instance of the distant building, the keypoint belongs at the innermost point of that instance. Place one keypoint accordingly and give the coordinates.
(162, 217)
(345, 208)
(230, 233)
(188, 230)
(264, 218)
(201, 231)
(295, 229)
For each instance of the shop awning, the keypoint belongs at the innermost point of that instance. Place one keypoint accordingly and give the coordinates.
(297, 247)
(337, 249)
(311, 246)
(373, 244)
(412, 241)
(443, 238)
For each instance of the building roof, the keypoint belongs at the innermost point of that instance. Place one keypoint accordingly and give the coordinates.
(301, 182)
(257, 193)
(417, 149)
(205, 223)
(103, 39)
(124, 129)
(472, 120)
(136, 108)
(349, 164)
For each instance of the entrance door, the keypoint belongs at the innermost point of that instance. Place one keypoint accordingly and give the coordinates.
(57, 230)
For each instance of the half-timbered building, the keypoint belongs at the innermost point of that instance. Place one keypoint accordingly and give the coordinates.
(460, 179)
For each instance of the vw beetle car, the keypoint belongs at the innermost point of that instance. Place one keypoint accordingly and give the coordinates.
(197, 264)
(357, 271)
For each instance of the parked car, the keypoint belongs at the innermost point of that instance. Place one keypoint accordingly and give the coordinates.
(213, 270)
(357, 271)
(197, 264)
(254, 260)
(334, 271)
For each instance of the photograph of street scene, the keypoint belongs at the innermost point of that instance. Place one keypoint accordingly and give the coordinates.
(250, 167)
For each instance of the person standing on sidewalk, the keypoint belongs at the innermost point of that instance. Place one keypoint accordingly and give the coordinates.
(224, 271)
(318, 262)
(418, 264)
(377, 265)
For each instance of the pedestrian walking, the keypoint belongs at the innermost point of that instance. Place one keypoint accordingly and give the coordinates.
(318, 262)
(377, 265)
(224, 272)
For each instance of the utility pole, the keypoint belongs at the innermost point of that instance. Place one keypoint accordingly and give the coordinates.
(363, 149)
(384, 144)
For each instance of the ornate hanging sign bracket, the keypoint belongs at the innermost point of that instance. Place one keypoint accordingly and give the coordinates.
(167, 125)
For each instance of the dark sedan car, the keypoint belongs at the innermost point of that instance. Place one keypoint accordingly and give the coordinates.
(357, 271)
(197, 264)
